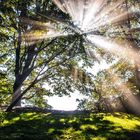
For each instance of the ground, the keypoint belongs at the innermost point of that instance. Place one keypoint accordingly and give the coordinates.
(69, 126)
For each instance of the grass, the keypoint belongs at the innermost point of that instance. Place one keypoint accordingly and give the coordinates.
(66, 126)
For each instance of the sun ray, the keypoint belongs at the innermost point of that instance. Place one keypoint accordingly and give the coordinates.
(108, 9)
(90, 13)
(122, 48)
(126, 92)
(94, 15)
(92, 54)
(34, 23)
(118, 17)
(38, 31)
(60, 5)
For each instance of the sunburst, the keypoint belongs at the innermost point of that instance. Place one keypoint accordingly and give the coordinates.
(107, 25)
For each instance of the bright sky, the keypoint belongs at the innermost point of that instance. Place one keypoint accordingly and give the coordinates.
(65, 102)
(69, 103)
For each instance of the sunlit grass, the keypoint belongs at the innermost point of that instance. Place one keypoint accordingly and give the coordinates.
(66, 126)
(123, 122)
(88, 126)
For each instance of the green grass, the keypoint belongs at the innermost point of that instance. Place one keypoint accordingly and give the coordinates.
(58, 126)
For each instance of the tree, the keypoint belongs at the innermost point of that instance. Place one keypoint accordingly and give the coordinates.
(37, 60)
(114, 90)
(46, 45)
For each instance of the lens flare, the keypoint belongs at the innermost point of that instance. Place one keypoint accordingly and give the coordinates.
(107, 25)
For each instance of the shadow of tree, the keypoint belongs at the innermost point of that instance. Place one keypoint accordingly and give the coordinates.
(51, 126)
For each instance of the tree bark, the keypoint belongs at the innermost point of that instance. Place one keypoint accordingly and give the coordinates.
(17, 85)
(16, 92)
(137, 72)
(19, 96)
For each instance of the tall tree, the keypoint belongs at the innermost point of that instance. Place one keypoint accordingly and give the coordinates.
(37, 59)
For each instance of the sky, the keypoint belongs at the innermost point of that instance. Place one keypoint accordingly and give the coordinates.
(65, 103)
(69, 103)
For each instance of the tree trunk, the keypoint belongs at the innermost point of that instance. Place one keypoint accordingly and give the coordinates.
(18, 80)
(137, 72)
(107, 105)
(16, 93)
(19, 96)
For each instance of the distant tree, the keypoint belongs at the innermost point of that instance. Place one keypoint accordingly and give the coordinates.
(113, 87)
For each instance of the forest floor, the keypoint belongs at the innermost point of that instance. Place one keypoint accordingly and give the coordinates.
(69, 126)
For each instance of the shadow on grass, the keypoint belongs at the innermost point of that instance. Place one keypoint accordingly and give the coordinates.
(57, 126)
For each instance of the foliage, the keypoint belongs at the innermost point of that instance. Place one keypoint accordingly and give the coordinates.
(111, 87)
(5, 90)
(34, 61)
(39, 45)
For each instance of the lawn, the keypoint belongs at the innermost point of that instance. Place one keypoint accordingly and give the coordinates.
(69, 126)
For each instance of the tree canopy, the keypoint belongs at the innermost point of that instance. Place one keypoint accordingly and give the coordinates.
(55, 42)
